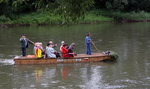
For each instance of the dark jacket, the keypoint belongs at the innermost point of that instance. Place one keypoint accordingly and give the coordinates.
(24, 43)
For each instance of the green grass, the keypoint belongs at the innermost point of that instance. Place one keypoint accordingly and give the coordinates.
(117, 15)
(46, 17)
(91, 17)
(38, 18)
(94, 16)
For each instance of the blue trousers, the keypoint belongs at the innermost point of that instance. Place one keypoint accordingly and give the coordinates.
(88, 49)
(23, 51)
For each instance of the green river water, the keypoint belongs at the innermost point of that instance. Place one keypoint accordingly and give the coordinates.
(131, 71)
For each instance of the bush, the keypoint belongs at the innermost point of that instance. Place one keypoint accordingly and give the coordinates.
(4, 19)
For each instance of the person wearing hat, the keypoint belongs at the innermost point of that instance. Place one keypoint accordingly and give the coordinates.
(24, 44)
(88, 44)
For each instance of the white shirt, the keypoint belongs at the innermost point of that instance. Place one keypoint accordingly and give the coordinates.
(50, 52)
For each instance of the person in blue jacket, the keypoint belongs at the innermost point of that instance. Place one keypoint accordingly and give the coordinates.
(88, 44)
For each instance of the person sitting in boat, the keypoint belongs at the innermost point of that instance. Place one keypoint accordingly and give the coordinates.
(50, 52)
(38, 51)
(62, 43)
(65, 51)
(51, 42)
(70, 50)
(56, 53)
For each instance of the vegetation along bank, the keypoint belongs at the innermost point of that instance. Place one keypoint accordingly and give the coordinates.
(41, 12)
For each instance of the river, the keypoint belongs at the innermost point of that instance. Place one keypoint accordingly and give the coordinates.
(129, 40)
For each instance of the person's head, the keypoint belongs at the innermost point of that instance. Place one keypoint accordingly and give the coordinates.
(51, 45)
(65, 45)
(36, 44)
(48, 44)
(23, 36)
(72, 44)
(51, 42)
(62, 42)
(88, 34)
(40, 43)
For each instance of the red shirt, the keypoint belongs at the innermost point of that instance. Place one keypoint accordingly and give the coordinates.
(64, 52)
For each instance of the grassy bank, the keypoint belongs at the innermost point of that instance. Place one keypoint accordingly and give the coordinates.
(49, 18)
(126, 16)
(96, 16)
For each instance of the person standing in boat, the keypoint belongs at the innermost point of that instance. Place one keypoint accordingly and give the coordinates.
(24, 44)
(88, 43)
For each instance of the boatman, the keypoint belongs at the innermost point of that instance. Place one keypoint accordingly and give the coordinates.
(88, 43)
(24, 44)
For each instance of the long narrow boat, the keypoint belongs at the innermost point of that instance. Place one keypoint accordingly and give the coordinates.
(80, 58)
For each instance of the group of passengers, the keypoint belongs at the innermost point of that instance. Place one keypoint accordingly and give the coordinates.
(50, 52)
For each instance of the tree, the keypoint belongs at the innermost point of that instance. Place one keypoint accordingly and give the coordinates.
(73, 10)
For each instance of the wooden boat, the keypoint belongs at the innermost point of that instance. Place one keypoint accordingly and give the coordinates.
(80, 58)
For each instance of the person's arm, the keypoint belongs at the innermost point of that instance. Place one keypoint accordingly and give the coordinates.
(21, 39)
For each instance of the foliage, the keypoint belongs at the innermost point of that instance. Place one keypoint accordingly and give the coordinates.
(123, 5)
(119, 16)
(44, 17)
(73, 10)
(4, 19)
(48, 17)
(94, 17)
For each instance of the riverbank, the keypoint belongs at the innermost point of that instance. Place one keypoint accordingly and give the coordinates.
(118, 16)
(92, 17)
(48, 18)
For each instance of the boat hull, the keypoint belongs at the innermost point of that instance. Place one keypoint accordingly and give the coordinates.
(81, 58)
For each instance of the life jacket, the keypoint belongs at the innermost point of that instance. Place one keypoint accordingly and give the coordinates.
(38, 52)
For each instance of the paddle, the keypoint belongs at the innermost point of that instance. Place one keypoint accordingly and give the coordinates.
(30, 41)
(94, 44)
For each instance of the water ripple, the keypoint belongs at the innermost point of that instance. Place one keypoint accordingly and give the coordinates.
(7, 61)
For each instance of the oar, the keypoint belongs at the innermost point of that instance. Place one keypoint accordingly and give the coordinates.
(94, 45)
(30, 41)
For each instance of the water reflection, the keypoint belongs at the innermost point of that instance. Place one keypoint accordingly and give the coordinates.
(38, 75)
(63, 75)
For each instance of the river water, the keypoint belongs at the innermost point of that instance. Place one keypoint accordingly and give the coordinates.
(130, 41)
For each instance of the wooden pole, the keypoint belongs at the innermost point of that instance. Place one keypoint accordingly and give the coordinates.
(30, 41)
(94, 45)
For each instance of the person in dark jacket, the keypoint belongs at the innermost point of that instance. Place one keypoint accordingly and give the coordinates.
(70, 50)
(24, 44)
